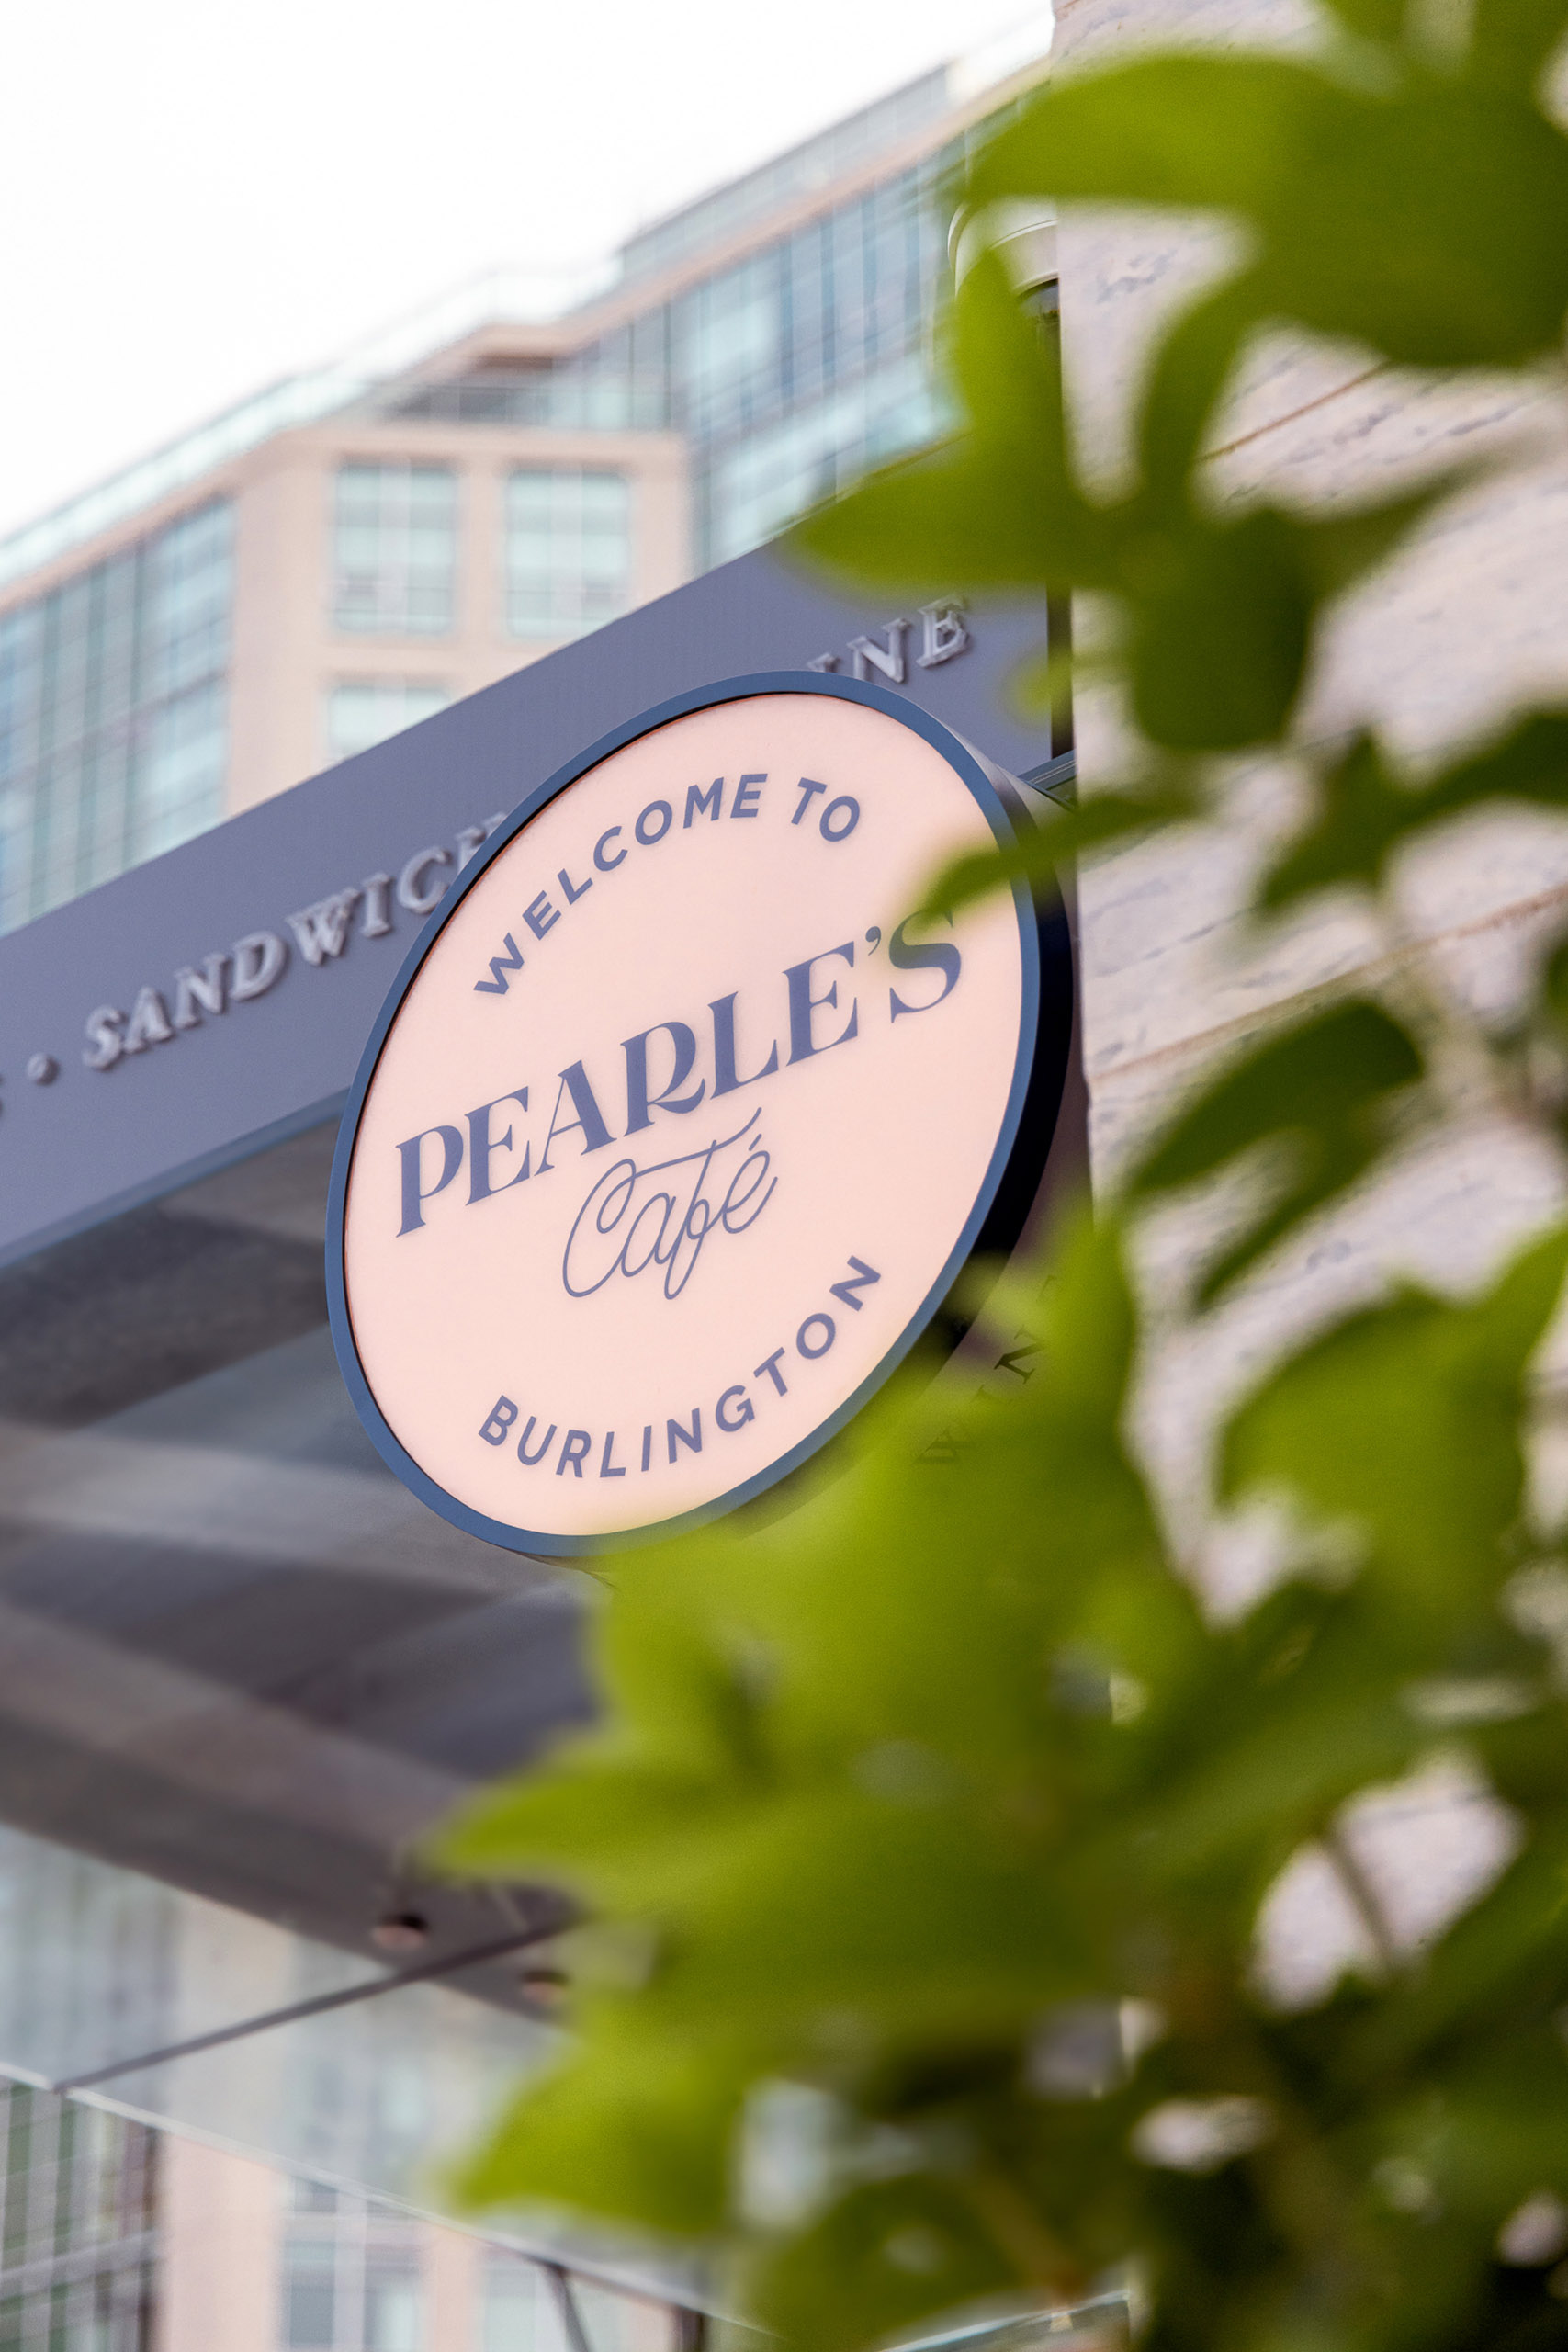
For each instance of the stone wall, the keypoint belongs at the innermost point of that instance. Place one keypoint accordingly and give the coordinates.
(1436, 651)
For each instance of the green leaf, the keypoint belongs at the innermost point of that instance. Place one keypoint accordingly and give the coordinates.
(1321, 1091)
(1190, 368)
(629, 2125)
(1041, 854)
(882, 2258)
(1365, 812)
(1435, 1485)
(998, 506)
(1273, 1768)
(1513, 41)
(684, 1747)
(597, 1818)
(1370, 19)
(1091, 1324)
(1221, 608)
(1507, 1957)
(813, 1918)
(1554, 985)
(1221, 133)
(1221, 621)
(1363, 815)
(920, 1599)
(1341, 549)
(1429, 218)
(1492, 2128)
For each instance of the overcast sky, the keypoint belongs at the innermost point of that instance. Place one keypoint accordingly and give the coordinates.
(199, 196)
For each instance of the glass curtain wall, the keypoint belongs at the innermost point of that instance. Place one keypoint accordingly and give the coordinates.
(114, 733)
(789, 373)
(803, 364)
(811, 361)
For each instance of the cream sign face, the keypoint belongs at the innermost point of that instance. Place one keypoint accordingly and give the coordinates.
(676, 1127)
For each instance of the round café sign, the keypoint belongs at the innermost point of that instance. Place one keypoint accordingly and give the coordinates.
(677, 1128)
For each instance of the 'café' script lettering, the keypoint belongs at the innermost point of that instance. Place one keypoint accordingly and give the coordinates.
(629, 1223)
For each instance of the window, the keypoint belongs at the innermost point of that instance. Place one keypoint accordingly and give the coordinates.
(362, 711)
(567, 551)
(353, 2274)
(393, 2312)
(518, 2307)
(395, 549)
(310, 2295)
(615, 2321)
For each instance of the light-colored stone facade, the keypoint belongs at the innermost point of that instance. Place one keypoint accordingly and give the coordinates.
(1468, 623)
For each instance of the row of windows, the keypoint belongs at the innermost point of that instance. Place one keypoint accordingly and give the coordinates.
(114, 713)
(838, 296)
(567, 549)
(805, 329)
(838, 301)
(114, 693)
(339, 2297)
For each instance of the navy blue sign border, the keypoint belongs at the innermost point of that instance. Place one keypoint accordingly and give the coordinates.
(390, 1447)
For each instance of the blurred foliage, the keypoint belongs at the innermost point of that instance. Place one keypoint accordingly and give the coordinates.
(929, 1840)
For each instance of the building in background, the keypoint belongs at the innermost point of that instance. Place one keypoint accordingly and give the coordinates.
(117, 2238)
(78, 2226)
(349, 551)
(252, 2259)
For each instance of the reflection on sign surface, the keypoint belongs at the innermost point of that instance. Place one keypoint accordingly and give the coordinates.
(684, 1124)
